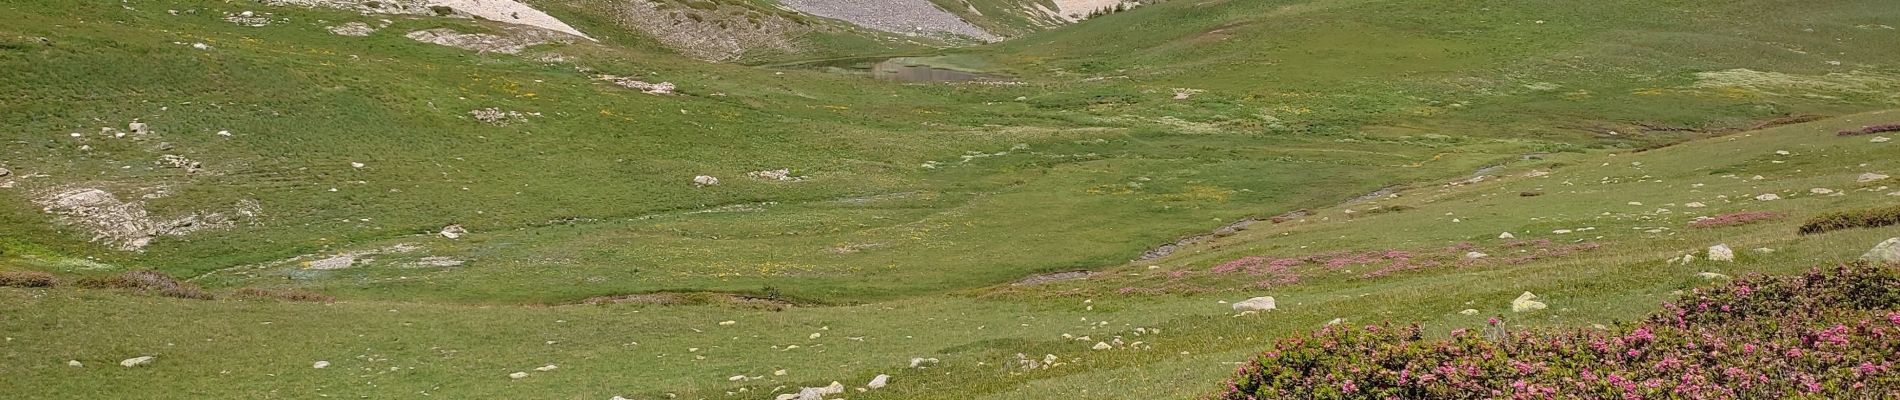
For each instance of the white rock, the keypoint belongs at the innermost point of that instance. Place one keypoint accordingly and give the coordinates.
(517, 375)
(919, 362)
(1711, 276)
(1781, 152)
(1102, 346)
(549, 367)
(1869, 177)
(735, 378)
(1469, 311)
(356, 165)
(75, 364)
(201, 46)
(1635, 203)
(879, 381)
(1880, 139)
(224, 133)
(1475, 255)
(1821, 191)
(728, 323)
(815, 335)
(1768, 197)
(1526, 302)
(1887, 251)
(453, 231)
(1561, 231)
(1721, 252)
(703, 181)
(787, 396)
(1263, 303)
(1764, 250)
(1336, 321)
(320, 364)
(137, 361)
(1695, 205)
(1506, 235)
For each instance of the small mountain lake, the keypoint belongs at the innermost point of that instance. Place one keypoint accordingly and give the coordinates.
(904, 69)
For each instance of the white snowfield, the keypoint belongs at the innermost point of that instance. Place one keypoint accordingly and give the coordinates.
(510, 11)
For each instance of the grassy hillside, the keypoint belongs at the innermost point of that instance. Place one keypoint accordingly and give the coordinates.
(912, 206)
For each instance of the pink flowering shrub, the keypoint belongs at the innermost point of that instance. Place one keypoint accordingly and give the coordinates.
(1871, 129)
(1736, 219)
(1829, 333)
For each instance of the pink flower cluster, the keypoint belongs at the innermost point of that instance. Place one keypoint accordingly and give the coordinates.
(1870, 129)
(1829, 333)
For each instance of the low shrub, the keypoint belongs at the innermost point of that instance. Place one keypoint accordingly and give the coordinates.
(1863, 218)
(285, 294)
(1829, 333)
(27, 279)
(1871, 129)
(148, 281)
(1736, 219)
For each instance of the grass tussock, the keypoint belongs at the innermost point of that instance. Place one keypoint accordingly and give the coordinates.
(1829, 333)
(1863, 218)
(27, 279)
(148, 281)
(285, 294)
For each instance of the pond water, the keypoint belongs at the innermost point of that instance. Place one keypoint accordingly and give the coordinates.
(906, 69)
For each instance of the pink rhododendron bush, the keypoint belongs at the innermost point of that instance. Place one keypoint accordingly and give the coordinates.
(1830, 333)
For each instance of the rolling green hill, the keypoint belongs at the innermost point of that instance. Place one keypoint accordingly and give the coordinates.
(179, 136)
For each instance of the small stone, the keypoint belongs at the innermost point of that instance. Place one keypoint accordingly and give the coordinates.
(1526, 302)
(1695, 205)
(1102, 346)
(1821, 191)
(1506, 235)
(815, 335)
(1782, 152)
(1263, 303)
(1561, 231)
(1469, 311)
(879, 381)
(1475, 255)
(546, 368)
(320, 364)
(356, 165)
(137, 361)
(517, 375)
(1721, 252)
(1764, 250)
(920, 362)
(75, 364)
(1768, 197)
(1335, 321)
(728, 323)
(1863, 178)
(454, 231)
(704, 180)
(1880, 139)
(1711, 276)
(735, 378)
(224, 133)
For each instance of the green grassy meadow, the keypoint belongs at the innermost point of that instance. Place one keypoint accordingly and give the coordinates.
(916, 205)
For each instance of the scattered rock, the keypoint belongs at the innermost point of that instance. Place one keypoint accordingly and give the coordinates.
(920, 362)
(1711, 276)
(513, 41)
(1695, 205)
(781, 175)
(1475, 255)
(1887, 251)
(1184, 94)
(1864, 178)
(1721, 252)
(435, 261)
(704, 181)
(1469, 311)
(1768, 197)
(546, 368)
(879, 381)
(497, 117)
(1526, 302)
(128, 226)
(320, 364)
(5, 172)
(453, 231)
(353, 29)
(728, 323)
(662, 88)
(517, 375)
(1880, 139)
(135, 361)
(1506, 235)
(1263, 303)
(138, 127)
(75, 364)
(1821, 191)
(332, 263)
(1102, 346)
